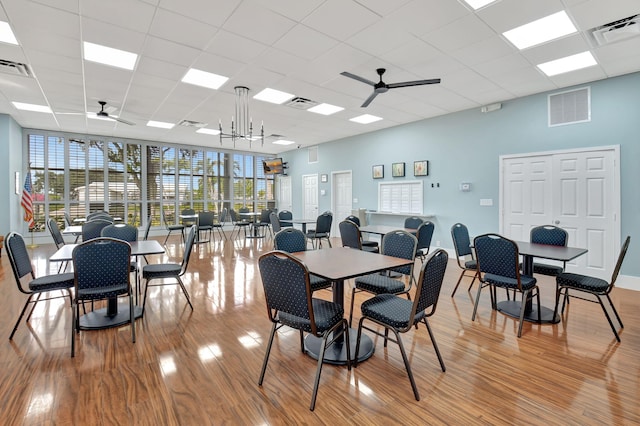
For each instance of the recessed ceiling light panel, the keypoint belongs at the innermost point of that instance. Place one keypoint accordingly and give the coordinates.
(6, 35)
(567, 64)
(205, 131)
(32, 107)
(325, 109)
(273, 96)
(365, 119)
(109, 56)
(544, 29)
(204, 79)
(282, 142)
(160, 124)
(477, 4)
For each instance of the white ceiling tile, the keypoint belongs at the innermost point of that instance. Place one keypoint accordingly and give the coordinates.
(381, 37)
(484, 51)
(560, 48)
(619, 58)
(207, 11)
(230, 45)
(258, 23)
(424, 16)
(340, 19)
(462, 32)
(293, 9)
(111, 36)
(138, 15)
(182, 30)
(579, 76)
(169, 51)
(505, 15)
(305, 42)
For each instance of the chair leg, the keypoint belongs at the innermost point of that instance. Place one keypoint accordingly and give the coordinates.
(132, 316)
(475, 306)
(186, 294)
(615, 332)
(458, 283)
(266, 355)
(359, 336)
(435, 345)
(34, 302)
(74, 316)
(144, 298)
(15, 327)
(407, 365)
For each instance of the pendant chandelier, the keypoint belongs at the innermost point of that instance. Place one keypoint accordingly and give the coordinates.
(241, 123)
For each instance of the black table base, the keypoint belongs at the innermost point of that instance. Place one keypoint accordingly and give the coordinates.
(512, 309)
(99, 319)
(336, 354)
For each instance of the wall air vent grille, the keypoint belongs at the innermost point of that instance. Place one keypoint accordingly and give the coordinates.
(570, 107)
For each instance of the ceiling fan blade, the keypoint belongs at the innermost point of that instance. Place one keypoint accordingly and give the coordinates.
(357, 77)
(369, 99)
(70, 113)
(413, 83)
(122, 120)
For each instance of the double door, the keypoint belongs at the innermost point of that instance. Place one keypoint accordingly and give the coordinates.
(578, 191)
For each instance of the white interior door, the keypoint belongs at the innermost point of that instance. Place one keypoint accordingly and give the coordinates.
(577, 190)
(310, 196)
(341, 198)
(284, 193)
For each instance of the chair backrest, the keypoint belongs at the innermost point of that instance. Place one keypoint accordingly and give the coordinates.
(234, 215)
(323, 223)
(290, 240)
(188, 248)
(19, 258)
(147, 228)
(120, 231)
(425, 234)
(350, 235)
(285, 215)
(223, 216)
(286, 287)
(264, 217)
(67, 219)
(430, 282)
(97, 213)
(400, 244)
(244, 210)
(100, 216)
(206, 218)
(461, 241)
(188, 220)
(275, 222)
(354, 219)
(54, 229)
(623, 252)
(549, 234)
(93, 229)
(497, 255)
(412, 222)
(92, 273)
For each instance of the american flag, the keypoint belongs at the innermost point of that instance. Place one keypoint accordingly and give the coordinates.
(27, 201)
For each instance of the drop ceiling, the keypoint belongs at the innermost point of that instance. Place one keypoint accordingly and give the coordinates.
(296, 46)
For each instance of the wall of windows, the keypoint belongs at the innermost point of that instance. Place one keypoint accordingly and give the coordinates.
(136, 180)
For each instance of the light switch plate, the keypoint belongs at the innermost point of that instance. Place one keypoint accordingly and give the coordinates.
(486, 201)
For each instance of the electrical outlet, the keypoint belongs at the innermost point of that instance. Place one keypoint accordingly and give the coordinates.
(437, 243)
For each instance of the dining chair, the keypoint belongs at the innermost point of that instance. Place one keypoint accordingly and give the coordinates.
(35, 287)
(96, 279)
(170, 270)
(128, 233)
(322, 230)
(147, 228)
(238, 223)
(219, 224)
(412, 222)
(399, 315)
(499, 266)
(293, 240)
(285, 217)
(550, 235)
(170, 227)
(264, 223)
(597, 287)
(397, 244)
(67, 219)
(99, 215)
(188, 221)
(93, 228)
(351, 237)
(288, 295)
(365, 243)
(424, 234)
(205, 223)
(275, 222)
(464, 255)
(58, 239)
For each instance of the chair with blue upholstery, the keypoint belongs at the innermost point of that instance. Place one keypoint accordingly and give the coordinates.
(205, 223)
(412, 222)
(36, 287)
(400, 315)
(322, 230)
(275, 222)
(100, 214)
(365, 243)
(593, 286)
(93, 228)
(264, 224)
(96, 279)
(424, 235)
(219, 224)
(285, 217)
(290, 302)
(499, 266)
(170, 227)
(550, 235)
(397, 244)
(293, 240)
(58, 240)
(128, 233)
(464, 255)
(351, 237)
(188, 221)
(170, 270)
(238, 223)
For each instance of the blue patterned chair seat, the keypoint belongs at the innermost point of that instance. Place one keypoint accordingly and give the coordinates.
(544, 269)
(325, 313)
(379, 284)
(103, 292)
(527, 282)
(161, 270)
(584, 282)
(52, 282)
(390, 309)
(471, 264)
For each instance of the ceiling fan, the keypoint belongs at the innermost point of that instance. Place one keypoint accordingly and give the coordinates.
(382, 87)
(102, 114)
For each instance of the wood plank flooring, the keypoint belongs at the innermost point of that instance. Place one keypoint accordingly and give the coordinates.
(201, 367)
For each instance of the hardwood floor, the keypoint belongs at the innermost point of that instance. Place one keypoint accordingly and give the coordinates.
(202, 366)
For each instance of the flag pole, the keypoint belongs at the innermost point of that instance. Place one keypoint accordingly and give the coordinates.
(27, 204)
(32, 245)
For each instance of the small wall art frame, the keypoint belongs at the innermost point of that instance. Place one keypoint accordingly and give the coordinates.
(397, 169)
(421, 168)
(377, 171)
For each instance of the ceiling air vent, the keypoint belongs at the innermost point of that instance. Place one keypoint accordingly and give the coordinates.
(14, 68)
(189, 123)
(301, 103)
(617, 30)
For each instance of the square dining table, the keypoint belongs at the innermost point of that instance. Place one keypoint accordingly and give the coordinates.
(114, 314)
(338, 264)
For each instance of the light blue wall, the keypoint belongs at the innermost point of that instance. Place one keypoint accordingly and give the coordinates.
(10, 162)
(465, 147)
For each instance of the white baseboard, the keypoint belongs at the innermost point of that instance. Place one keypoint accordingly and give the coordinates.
(628, 282)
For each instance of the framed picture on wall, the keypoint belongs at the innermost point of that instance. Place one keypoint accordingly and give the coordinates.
(421, 168)
(397, 169)
(378, 171)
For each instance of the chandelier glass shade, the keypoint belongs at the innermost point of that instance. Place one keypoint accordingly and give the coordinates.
(241, 122)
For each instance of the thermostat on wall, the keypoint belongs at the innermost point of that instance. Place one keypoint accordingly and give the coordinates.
(465, 187)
